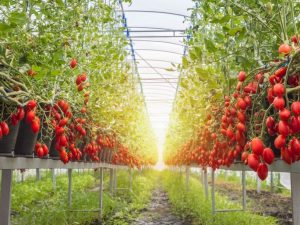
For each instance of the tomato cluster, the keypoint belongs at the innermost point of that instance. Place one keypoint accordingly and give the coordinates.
(257, 122)
(72, 137)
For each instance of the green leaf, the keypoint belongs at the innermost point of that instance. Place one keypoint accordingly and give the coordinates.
(18, 18)
(202, 73)
(55, 72)
(198, 51)
(4, 27)
(209, 45)
(234, 31)
(185, 63)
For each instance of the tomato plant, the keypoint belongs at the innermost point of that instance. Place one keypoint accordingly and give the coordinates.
(63, 73)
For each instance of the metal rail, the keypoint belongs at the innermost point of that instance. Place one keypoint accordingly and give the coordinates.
(158, 36)
(154, 69)
(165, 42)
(157, 67)
(158, 50)
(157, 31)
(157, 12)
(159, 60)
(36, 163)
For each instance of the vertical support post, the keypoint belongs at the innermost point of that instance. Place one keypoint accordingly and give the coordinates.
(213, 197)
(258, 184)
(111, 180)
(101, 194)
(70, 187)
(6, 182)
(295, 192)
(187, 177)
(202, 176)
(244, 189)
(115, 180)
(22, 177)
(53, 178)
(272, 182)
(38, 175)
(205, 183)
(130, 179)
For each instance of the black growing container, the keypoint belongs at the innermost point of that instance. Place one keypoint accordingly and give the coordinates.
(7, 143)
(53, 153)
(26, 140)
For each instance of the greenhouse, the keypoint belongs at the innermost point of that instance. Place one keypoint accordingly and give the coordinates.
(162, 112)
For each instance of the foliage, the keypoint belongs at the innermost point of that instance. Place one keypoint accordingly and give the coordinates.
(193, 204)
(36, 202)
(41, 38)
(226, 37)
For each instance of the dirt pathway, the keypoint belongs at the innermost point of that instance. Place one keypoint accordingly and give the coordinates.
(159, 212)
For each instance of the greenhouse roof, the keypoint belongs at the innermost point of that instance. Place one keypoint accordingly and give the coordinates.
(157, 31)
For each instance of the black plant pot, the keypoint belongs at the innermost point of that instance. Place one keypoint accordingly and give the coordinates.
(53, 153)
(26, 140)
(7, 143)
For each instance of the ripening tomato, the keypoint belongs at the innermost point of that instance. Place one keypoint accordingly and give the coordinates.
(270, 122)
(35, 125)
(31, 105)
(295, 146)
(270, 95)
(83, 77)
(78, 80)
(284, 49)
(280, 73)
(284, 114)
(248, 101)
(262, 171)
(241, 127)
(63, 141)
(242, 76)
(268, 155)
(259, 78)
(278, 90)
(253, 161)
(257, 146)
(279, 142)
(241, 104)
(294, 124)
(295, 39)
(31, 73)
(296, 108)
(45, 149)
(63, 122)
(80, 87)
(283, 128)
(20, 114)
(4, 128)
(73, 63)
(241, 117)
(30, 116)
(279, 103)
(39, 152)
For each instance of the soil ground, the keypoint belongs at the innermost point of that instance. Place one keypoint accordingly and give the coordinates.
(264, 203)
(159, 212)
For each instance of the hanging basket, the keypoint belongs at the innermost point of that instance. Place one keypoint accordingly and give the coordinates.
(7, 143)
(53, 153)
(26, 140)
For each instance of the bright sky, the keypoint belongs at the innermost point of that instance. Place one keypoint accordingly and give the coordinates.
(159, 85)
